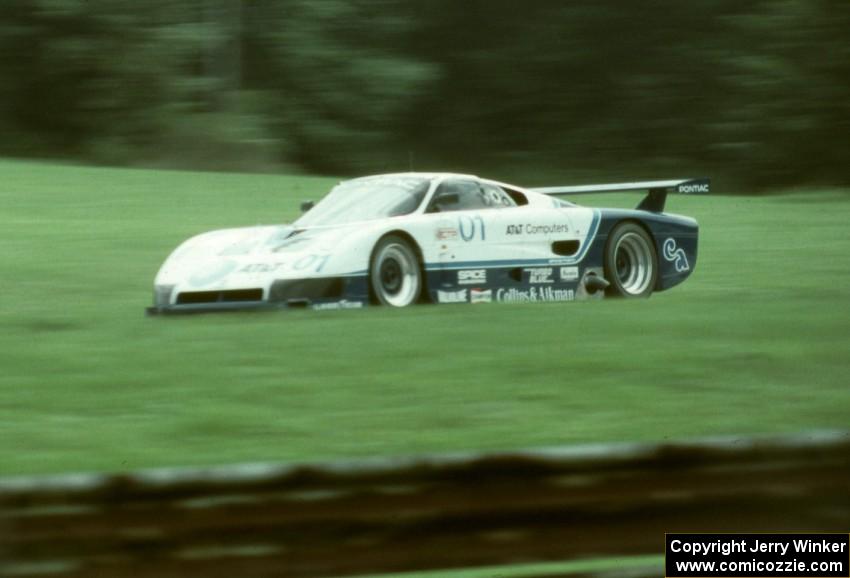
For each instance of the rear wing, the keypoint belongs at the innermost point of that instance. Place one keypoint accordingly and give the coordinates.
(656, 190)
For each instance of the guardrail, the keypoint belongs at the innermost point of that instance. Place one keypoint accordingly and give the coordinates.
(391, 515)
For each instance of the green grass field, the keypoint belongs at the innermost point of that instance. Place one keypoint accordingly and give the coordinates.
(755, 341)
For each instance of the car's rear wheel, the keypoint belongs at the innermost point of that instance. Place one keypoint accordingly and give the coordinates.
(395, 276)
(631, 263)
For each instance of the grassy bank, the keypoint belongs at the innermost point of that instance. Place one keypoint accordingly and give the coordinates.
(755, 341)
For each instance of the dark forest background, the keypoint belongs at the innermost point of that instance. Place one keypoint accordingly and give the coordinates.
(755, 94)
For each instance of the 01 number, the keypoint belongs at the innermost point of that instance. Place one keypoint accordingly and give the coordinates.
(471, 227)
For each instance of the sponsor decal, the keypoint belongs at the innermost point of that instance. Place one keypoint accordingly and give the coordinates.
(534, 294)
(695, 188)
(675, 255)
(472, 277)
(452, 296)
(310, 262)
(447, 233)
(568, 273)
(546, 229)
(262, 267)
(529, 229)
(480, 295)
(344, 304)
(541, 275)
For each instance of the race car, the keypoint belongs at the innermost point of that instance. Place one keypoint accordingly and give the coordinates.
(400, 239)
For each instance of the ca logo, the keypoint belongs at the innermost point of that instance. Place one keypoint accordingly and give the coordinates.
(675, 255)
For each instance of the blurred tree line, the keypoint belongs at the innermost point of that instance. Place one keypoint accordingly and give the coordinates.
(754, 93)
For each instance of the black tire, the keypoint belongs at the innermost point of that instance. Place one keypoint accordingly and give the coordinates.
(395, 275)
(631, 262)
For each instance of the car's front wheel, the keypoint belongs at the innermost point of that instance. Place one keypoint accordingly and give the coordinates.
(631, 263)
(395, 276)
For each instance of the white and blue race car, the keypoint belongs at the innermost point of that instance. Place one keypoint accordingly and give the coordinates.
(408, 238)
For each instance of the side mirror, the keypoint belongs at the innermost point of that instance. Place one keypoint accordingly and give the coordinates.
(307, 205)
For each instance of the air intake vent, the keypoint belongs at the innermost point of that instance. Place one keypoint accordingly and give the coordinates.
(295, 289)
(565, 248)
(231, 296)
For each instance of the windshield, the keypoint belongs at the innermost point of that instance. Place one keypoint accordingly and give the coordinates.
(367, 199)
